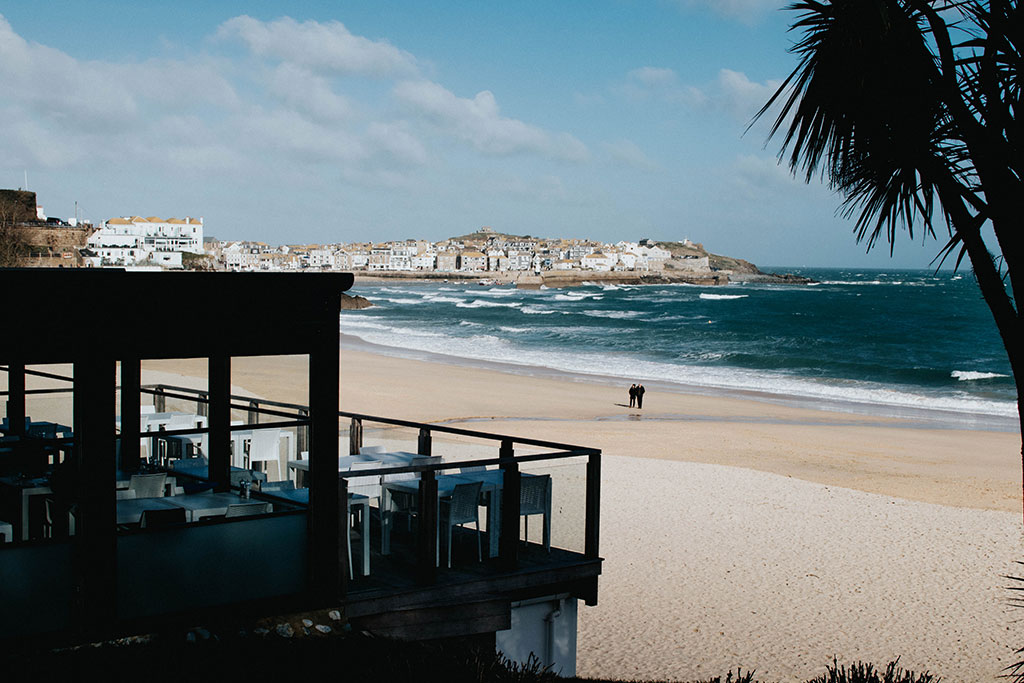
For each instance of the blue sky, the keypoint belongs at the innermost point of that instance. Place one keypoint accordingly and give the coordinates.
(347, 121)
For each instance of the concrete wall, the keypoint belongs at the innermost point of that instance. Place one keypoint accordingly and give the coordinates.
(546, 628)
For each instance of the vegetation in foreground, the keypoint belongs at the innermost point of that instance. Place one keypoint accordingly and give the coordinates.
(199, 656)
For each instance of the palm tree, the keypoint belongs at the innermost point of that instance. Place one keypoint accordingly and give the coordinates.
(908, 108)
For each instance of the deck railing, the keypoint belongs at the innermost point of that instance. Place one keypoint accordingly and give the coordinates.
(505, 458)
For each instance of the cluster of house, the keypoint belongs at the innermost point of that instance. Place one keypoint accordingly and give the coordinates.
(486, 251)
(138, 241)
(151, 242)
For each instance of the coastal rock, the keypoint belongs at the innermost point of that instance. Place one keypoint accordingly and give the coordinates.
(354, 303)
(285, 630)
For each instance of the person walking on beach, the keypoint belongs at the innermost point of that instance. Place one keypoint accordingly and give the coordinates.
(632, 395)
(640, 395)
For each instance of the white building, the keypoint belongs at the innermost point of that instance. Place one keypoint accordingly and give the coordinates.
(134, 240)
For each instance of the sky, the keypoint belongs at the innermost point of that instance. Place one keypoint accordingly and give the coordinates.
(343, 121)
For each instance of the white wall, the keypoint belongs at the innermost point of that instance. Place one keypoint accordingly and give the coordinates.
(545, 627)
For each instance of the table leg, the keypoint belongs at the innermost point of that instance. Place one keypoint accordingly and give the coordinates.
(366, 538)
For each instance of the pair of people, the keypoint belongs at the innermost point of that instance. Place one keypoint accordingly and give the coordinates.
(636, 396)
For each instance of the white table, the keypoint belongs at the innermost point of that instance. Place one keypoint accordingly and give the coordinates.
(129, 510)
(198, 505)
(27, 488)
(491, 484)
(354, 500)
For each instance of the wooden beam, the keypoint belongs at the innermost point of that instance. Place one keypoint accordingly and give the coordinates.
(426, 538)
(592, 545)
(324, 510)
(16, 398)
(424, 445)
(508, 544)
(91, 473)
(220, 421)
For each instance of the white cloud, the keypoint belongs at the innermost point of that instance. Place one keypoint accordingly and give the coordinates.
(478, 121)
(740, 96)
(652, 76)
(746, 11)
(300, 89)
(732, 92)
(328, 47)
(628, 153)
(659, 83)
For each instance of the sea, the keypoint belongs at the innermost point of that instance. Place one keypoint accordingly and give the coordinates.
(917, 344)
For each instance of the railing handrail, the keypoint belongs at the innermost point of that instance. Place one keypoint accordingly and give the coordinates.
(40, 373)
(451, 464)
(526, 441)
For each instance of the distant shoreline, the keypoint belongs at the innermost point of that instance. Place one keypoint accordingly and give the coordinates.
(573, 278)
(915, 418)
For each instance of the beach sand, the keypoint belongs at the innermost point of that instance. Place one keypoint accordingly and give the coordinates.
(739, 532)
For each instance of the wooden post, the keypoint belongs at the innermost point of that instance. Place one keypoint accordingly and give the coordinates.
(88, 485)
(131, 378)
(355, 436)
(424, 442)
(324, 505)
(254, 416)
(302, 433)
(426, 539)
(203, 405)
(593, 503)
(16, 398)
(219, 374)
(159, 400)
(508, 544)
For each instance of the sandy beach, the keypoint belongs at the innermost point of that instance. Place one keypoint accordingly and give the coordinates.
(740, 532)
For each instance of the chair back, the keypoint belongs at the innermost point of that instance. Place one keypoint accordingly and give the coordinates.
(265, 445)
(368, 486)
(533, 494)
(472, 468)
(125, 494)
(363, 450)
(464, 503)
(159, 518)
(145, 409)
(181, 422)
(247, 509)
(148, 485)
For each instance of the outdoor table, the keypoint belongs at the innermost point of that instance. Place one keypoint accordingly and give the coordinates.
(354, 500)
(198, 505)
(129, 510)
(24, 489)
(491, 481)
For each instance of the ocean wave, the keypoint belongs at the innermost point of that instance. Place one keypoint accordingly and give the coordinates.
(852, 282)
(496, 349)
(614, 315)
(443, 299)
(577, 296)
(722, 297)
(536, 310)
(969, 375)
(480, 303)
(411, 302)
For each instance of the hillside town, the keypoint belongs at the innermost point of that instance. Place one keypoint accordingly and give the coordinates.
(152, 242)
